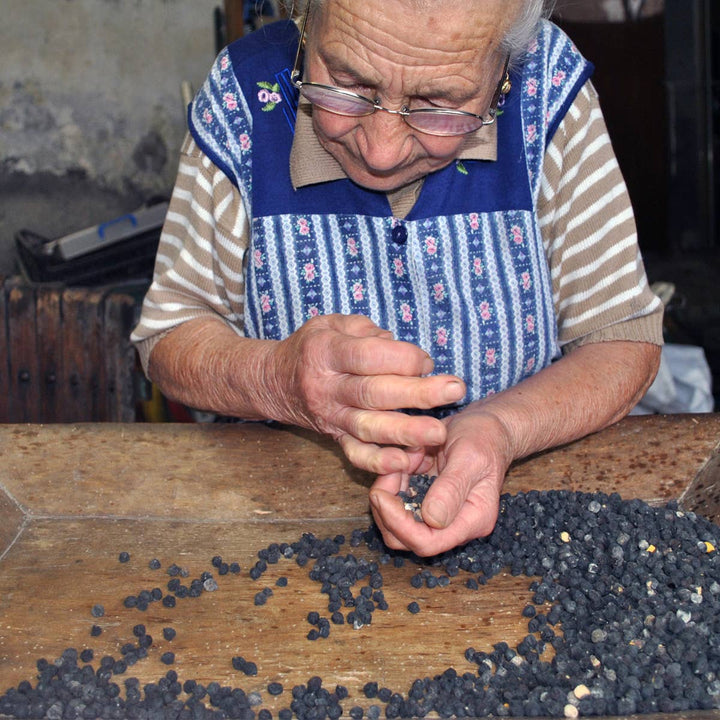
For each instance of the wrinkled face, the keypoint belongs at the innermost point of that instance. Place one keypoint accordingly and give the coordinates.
(442, 53)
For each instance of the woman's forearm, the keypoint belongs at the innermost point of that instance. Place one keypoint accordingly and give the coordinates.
(583, 392)
(197, 365)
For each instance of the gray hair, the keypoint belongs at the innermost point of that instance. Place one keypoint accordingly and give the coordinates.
(523, 31)
(516, 40)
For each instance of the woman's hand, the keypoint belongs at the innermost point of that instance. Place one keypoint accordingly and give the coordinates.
(586, 390)
(462, 503)
(340, 375)
(346, 377)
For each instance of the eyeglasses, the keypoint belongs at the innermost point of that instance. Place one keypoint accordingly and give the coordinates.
(432, 121)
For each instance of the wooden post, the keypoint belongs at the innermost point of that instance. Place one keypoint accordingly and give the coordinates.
(235, 17)
(119, 365)
(24, 367)
(48, 319)
(234, 22)
(4, 358)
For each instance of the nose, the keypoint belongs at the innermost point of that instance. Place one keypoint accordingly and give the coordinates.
(385, 141)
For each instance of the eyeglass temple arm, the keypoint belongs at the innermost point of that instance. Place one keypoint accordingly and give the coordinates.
(296, 71)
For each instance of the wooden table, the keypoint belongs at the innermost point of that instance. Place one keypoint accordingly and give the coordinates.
(72, 497)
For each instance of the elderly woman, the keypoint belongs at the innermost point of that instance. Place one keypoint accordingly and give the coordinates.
(404, 227)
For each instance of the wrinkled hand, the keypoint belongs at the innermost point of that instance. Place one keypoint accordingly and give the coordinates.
(462, 504)
(344, 376)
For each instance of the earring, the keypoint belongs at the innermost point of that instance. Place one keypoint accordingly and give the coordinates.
(506, 84)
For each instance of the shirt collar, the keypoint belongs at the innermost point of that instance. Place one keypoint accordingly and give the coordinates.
(310, 163)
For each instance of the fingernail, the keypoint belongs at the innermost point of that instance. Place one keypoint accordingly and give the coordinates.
(454, 391)
(437, 436)
(436, 515)
(428, 366)
(375, 500)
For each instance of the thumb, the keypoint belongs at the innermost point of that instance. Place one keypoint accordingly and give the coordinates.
(446, 496)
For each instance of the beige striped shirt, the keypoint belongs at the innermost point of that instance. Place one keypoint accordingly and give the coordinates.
(599, 285)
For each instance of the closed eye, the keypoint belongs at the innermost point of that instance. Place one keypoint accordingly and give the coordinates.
(351, 84)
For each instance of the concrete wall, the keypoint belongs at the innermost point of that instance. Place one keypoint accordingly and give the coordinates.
(91, 117)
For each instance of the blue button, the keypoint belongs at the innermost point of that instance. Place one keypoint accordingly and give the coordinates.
(399, 234)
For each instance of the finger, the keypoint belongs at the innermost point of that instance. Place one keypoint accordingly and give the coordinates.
(392, 483)
(425, 466)
(391, 428)
(400, 524)
(378, 355)
(374, 458)
(388, 537)
(356, 326)
(460, 474)
(421, 461)
(465, 494)
(406, 531)
(478, 516)
(390, 391)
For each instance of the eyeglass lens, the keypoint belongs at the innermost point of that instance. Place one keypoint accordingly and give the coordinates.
(428, 120)
(437, 123)
(337, 102)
